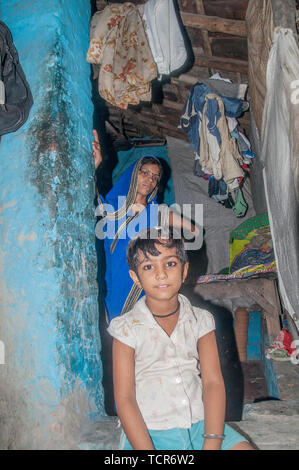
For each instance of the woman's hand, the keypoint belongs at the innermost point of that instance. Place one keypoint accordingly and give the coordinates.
(177, 220)
(96, 150)
(137, 208)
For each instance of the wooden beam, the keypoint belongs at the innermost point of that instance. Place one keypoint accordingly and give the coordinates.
(152, 121)
(223, 63)
(267, 297)
(156, 129)
(160, 113)
(148, 118)
(204, 33)
(173, 105)
(215, 24)
(185, 78)
(229, 8)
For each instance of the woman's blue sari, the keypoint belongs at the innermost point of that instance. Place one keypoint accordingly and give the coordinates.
(119, 291)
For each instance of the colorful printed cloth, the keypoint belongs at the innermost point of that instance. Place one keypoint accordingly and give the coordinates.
(119, 44)
(267, 271)
(251, 246)
(251, 252)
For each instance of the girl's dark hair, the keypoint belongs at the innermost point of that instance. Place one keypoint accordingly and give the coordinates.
(147, 243)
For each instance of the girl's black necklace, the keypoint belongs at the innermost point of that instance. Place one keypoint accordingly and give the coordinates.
(169, 314)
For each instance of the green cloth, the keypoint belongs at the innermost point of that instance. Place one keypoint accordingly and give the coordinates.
(251, 246)
(241, 232)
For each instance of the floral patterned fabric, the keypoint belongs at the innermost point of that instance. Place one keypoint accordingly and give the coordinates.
(118, 43)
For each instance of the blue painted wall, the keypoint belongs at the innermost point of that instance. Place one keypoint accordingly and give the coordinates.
(254, 336)
(51, 381)
(268, 368)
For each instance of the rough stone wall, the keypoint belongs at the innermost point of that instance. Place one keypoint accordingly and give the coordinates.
(51, 379)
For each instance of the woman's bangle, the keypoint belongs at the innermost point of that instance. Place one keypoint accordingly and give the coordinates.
(213, 436)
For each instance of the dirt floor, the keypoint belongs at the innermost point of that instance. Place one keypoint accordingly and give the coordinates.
(269, 423)
(255, 387)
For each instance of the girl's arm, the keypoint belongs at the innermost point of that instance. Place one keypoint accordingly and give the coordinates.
(213, 390)
(125, 398)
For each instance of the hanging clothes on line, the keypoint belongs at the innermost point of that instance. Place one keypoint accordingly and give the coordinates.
(219, 154)
(118, 43)
(192, 111)
(164, 35)
(222, 151)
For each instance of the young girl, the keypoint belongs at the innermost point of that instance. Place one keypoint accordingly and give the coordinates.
(169, 390)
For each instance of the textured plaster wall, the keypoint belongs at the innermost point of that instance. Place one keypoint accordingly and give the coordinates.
(51, 379)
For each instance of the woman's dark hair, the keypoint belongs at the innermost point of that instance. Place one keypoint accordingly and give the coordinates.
(152, 161)
(147, 242)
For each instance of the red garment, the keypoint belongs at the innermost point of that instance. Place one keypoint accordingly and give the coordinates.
(287, 341)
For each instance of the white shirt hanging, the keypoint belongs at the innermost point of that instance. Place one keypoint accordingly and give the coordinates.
(164, 35)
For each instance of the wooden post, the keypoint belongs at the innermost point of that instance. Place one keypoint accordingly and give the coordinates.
(241, 331)
(204, 33)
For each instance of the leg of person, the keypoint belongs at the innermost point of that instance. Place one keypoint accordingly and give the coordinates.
(234, 440)
(191, 439)
(244, 445)
(169, 439)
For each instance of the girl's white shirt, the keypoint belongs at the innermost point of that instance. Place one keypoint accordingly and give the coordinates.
(167, 369)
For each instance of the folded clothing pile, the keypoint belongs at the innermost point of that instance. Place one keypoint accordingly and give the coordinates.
(222, 150)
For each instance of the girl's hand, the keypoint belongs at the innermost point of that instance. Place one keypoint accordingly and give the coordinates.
(96, 150)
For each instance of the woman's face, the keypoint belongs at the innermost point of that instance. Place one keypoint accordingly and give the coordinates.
(148, 178)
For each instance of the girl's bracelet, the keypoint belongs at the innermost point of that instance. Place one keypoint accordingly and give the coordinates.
(213, 436)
